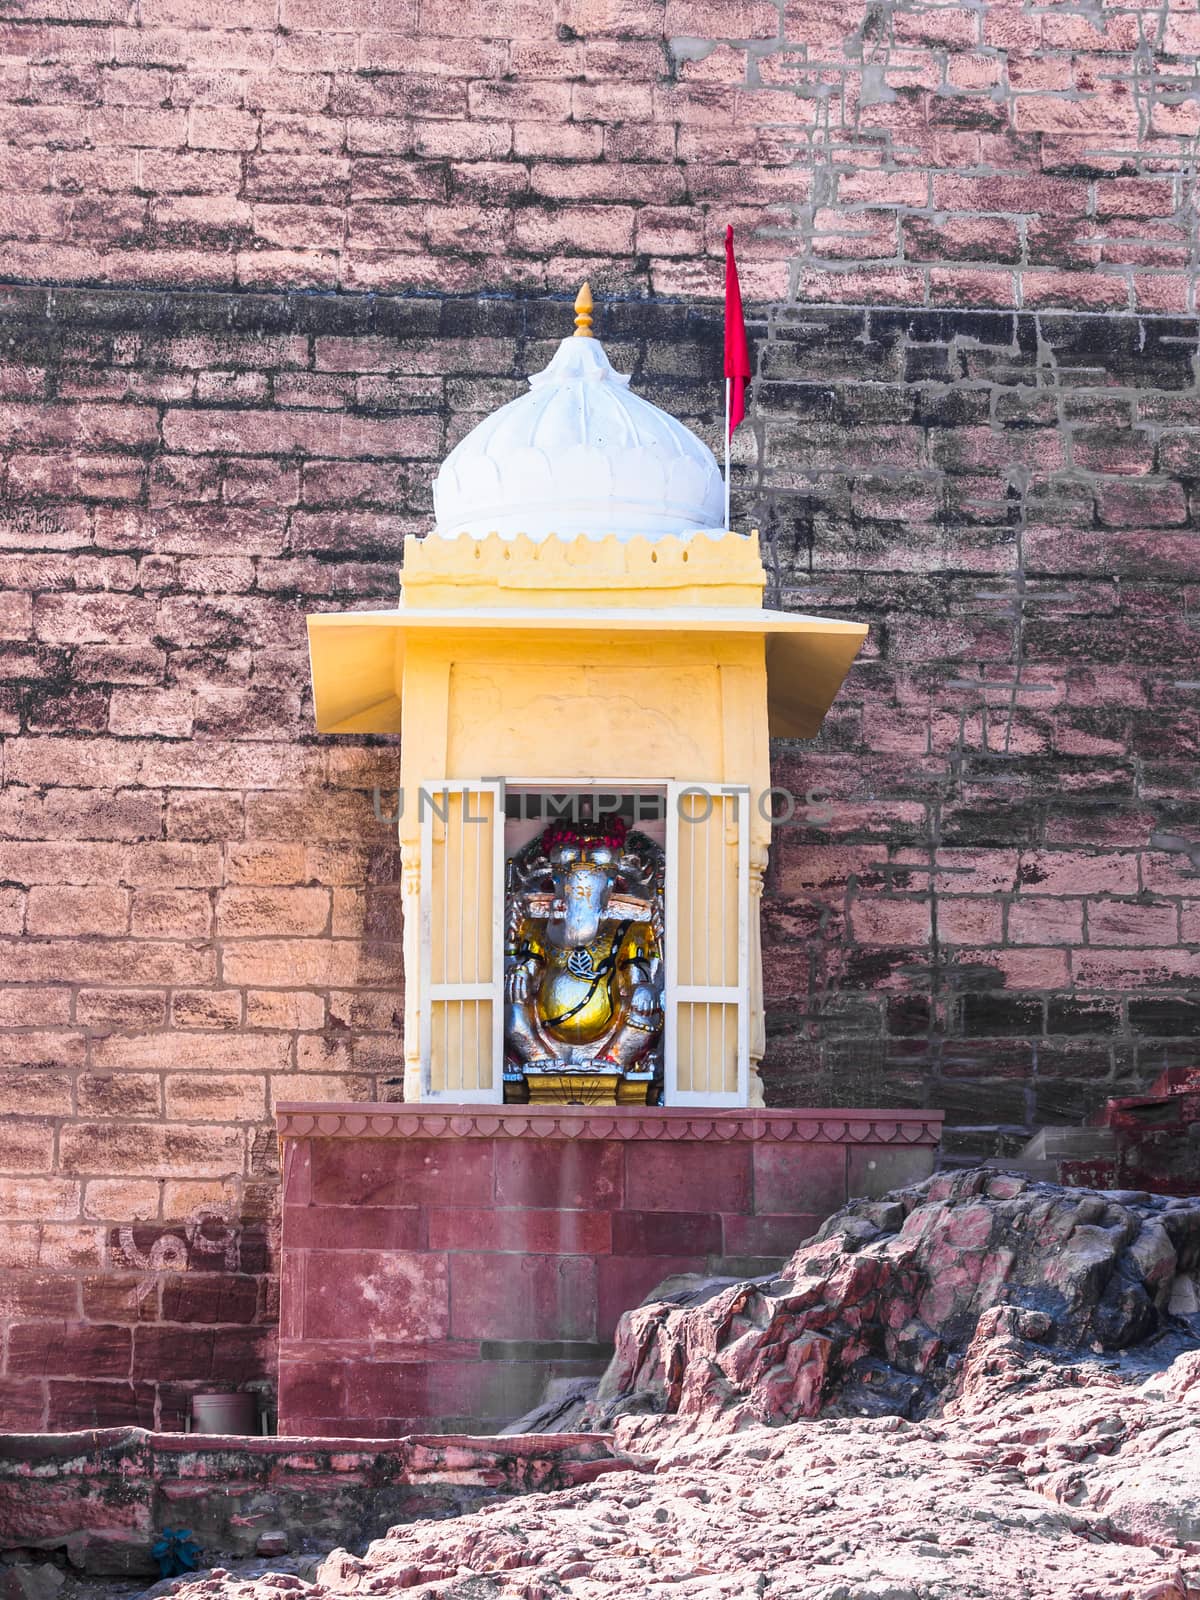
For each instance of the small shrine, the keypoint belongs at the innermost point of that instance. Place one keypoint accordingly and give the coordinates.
(585, 681)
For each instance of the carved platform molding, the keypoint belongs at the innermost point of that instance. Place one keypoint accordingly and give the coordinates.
(440, 1265)
(350, 1120)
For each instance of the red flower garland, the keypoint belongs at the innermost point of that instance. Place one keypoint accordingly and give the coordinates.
(611, 833)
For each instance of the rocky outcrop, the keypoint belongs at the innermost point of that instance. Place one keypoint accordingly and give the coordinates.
(1041, 1481)
(560, 1409)
(1040, 1342)
(875, 1315)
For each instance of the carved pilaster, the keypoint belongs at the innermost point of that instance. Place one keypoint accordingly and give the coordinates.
(758, 1033)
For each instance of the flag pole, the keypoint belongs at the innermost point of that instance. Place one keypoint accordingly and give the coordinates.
(728, 386)
(737, 358)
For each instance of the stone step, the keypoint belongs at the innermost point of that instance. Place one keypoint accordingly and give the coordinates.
(1071, 1144)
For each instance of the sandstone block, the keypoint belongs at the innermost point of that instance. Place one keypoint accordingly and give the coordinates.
(272, 911)
(359, 1227)
(39, 1199)
(22, 1404)
(118, 1094)
(294, 1009)
(45, 1349)
(549, 1232)
(574, 1174)
(121, 1008)
(206, 1008)
(192, 1097)
(110, 1148)
(93, 909)
(407, 1172)
(393, 1294)
(496, 1296)
(26, 1145)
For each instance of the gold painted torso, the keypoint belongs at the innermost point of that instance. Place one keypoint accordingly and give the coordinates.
(580, 1006)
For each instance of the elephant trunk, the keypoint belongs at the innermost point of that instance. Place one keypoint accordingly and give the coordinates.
(585, 893)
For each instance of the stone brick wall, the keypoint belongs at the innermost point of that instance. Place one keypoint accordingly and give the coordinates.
(1010, 500)
(992, 911)
(894, 151)
(976, 424)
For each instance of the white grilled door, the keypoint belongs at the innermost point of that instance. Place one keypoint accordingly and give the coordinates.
(462, 943)
(707, 937)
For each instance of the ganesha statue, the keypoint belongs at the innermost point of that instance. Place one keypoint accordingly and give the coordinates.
(583, 969)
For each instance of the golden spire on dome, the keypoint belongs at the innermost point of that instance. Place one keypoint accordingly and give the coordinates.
(583, 313)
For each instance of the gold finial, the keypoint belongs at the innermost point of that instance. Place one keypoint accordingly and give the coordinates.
(583, 313)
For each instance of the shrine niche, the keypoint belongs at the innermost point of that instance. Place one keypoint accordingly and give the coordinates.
(586, 682)
(583, 979)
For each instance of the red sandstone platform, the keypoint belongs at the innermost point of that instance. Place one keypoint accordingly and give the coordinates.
(440, 1265)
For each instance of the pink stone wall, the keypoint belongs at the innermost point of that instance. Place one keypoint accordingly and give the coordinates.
(906, 153)
(439, 1267)
(994, 913)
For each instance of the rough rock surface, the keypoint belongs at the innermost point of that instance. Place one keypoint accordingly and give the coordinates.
(1040, 1482)
(874, 1315)
(560, 1410)
(1053, 1452)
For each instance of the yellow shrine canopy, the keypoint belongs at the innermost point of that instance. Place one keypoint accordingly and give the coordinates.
(358, 656)
(581, 612)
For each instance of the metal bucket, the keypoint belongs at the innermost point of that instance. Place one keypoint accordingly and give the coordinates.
(224, 1413)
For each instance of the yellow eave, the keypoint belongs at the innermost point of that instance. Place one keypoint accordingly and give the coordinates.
(357, 656)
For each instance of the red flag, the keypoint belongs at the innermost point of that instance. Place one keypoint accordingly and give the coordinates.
(737, 351)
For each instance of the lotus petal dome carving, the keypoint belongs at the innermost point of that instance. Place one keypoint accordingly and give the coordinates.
(580, 454)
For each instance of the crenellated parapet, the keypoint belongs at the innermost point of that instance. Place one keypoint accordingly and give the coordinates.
(707, 567)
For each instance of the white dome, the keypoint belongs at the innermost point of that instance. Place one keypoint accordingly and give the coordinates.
(578, 454)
